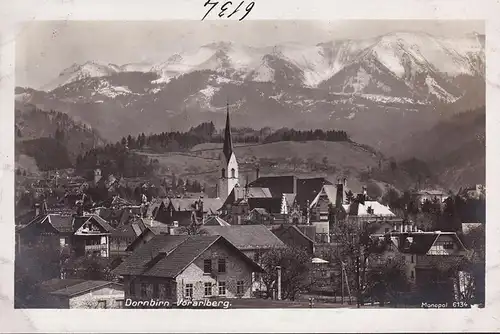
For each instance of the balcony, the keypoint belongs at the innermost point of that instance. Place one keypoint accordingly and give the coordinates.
(91, 248)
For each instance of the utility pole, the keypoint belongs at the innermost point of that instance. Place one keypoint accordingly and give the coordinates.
(278, 268)
(342, 280)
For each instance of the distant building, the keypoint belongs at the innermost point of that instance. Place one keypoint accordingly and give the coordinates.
(81, 294)
(293, 236)
(432, 195)
(185, 211)
(476, 192)
(173, 268)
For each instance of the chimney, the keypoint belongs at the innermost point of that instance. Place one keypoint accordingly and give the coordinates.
(345, 182)
(37, 209)
(365, 193)
(340, 194)
(79, 208)
(257, 172)
(217, 195)
(295, 185)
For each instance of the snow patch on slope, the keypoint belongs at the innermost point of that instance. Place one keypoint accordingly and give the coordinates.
(437, 91)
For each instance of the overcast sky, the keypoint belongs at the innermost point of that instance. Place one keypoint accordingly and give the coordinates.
(44, 49)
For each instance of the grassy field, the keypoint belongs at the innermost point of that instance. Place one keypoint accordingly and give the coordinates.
(304, 159)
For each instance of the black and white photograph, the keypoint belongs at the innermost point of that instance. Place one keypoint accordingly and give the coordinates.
(257, 164)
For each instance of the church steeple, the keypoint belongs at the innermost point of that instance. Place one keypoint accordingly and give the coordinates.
(228, 141)
(229, 165)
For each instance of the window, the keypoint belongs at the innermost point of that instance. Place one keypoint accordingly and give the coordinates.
(256, 257)
(162, 291)
(222, 265)
(386, 230)
(189, 291)
(131, 289)
(222, 288)
(149, 290)
(101, 304)
(119, 303)
(207, 266)
(233, 173)
(223, 172)
(240, 287)
(412, 259)
(143, 289)
(208, 289)
(448, 245)
(412, 274)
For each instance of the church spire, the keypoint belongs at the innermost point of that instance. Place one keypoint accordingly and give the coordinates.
(228, 142)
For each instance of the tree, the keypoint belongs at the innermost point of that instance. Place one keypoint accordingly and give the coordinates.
(354, 250)
(387, 281)
(295, 264)
(37, 262)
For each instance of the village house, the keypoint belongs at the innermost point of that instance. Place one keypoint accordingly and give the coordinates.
(81, 294)
(253, 240)
(174, 268)
(431, 195)
(422, 252)
(80, 233)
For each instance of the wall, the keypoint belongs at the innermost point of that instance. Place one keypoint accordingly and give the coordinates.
(236, 270)
(112, 296)
(133, 291)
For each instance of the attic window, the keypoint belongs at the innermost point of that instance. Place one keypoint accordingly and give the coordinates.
(207, 266)
(448, 245)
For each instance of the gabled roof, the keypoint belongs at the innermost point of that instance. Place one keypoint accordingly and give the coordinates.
(246, 236)
(308, 189)
(280, 231)
(330, 191)
(421, 242)
(215, 221)
(63, 223)
(169, 255)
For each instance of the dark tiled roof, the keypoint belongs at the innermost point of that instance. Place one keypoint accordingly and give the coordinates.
(271, 205)
(83, 287)
(58, 284)
(133, 265)
(62, 223)
(277, 185)
(308, 189)
(181, 256)
(280, 231)
(246, 236)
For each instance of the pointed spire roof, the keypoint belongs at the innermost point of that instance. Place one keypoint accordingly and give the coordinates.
(227, 149)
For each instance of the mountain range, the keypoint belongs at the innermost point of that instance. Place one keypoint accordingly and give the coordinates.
(380, 90)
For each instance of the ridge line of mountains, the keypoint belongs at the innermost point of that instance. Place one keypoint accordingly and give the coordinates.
(388, 92)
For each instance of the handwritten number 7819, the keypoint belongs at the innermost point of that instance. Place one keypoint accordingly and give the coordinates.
(227, 6)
